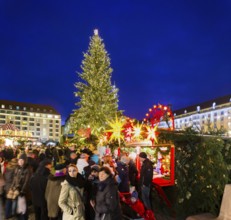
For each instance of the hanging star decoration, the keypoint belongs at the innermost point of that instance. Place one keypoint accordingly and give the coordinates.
(152, 133)
(137, 130)
(116, 129)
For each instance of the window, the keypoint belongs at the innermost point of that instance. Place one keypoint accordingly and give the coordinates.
(31, 124)
(185, 111)
(2, 106)
(198, 108)
(2, 116)
(31, 119)
(37, 129)
(24, 108)
(10, 107)
(17, 118)
(38, 124)
(17, 107)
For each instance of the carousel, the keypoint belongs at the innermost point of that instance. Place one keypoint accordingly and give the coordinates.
(11, 135)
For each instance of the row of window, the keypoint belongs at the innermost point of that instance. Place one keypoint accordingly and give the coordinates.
(25, 108)
(197, 119)
(30, 114)
(203, 121)
(198, 109)
(30, 119)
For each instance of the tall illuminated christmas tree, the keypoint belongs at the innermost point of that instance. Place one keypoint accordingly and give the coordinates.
(97, 97)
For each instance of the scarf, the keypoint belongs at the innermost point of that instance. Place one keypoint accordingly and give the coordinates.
(76, 181)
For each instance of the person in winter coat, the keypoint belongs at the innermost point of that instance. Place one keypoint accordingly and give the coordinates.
(107, 203)
(38, 183)
(53, 190)
(123, 174)
(3, 164)
(71, 196)
(9, 176)
(21, 181)
(90, 191)
(133, 174)
(146, 176)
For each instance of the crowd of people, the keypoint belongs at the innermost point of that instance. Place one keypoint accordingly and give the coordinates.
(59, 183)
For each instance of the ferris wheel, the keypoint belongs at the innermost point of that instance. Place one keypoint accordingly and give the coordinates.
(160, 115)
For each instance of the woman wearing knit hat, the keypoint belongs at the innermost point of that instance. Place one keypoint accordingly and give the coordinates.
(21, 180)
(9, 176)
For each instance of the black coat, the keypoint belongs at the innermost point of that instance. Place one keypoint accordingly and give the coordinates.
(146, 173)
(123, 172)
(133, 173)
(38, 183)
(107, 200)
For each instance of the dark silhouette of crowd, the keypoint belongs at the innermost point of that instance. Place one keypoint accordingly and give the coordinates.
(60, 183)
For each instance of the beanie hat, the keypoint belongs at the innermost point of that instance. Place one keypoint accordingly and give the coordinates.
(143, 155)
(45, 162)
(23, 157)
(95, 168)
(134, 194)
(60, 166)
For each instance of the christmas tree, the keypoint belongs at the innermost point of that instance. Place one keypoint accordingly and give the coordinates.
(97, 97)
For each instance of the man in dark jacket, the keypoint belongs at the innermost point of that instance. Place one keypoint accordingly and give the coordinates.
(146, 176)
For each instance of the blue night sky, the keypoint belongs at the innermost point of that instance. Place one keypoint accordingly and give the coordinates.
(162, 51)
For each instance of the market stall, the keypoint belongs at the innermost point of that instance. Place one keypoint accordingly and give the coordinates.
(10, 135)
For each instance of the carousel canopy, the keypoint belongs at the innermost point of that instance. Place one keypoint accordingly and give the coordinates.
(10, 130)
(9, 126)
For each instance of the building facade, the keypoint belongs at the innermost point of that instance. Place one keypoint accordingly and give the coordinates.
(43, 121)
(210, 115)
